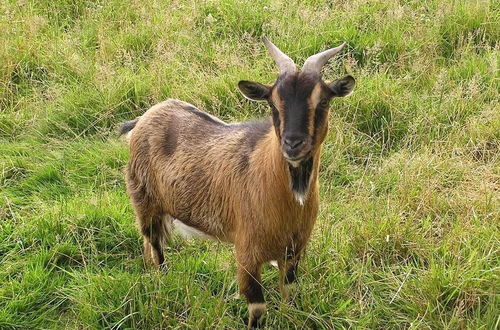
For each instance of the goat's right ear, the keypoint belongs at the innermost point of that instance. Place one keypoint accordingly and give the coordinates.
(254, 91)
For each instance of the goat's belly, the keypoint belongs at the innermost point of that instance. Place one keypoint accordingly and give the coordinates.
(188, 231)
(207, 228)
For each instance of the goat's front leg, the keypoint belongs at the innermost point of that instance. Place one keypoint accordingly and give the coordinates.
(288, 276)
(250, 285)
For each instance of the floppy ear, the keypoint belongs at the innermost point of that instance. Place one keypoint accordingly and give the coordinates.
(343, 86)
(254, 91)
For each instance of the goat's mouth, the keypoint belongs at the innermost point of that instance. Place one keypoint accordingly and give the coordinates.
(296, 160)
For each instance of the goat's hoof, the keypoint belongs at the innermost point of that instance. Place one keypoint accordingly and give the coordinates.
(290, 293)
(256, 312)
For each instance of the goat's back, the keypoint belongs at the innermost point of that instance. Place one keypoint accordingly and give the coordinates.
(192, 166)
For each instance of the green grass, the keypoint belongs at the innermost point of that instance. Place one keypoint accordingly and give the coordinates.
(408, 232)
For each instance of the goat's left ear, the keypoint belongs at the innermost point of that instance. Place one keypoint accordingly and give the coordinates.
(343, 86)
(254, 91)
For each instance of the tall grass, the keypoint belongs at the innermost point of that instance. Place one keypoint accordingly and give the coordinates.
(408, 232)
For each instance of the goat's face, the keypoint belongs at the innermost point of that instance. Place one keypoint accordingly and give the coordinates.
(299, 104)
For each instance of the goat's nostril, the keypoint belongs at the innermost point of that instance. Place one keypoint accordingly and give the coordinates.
(294, 143)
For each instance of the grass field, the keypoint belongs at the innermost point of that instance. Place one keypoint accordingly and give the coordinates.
(408, 232)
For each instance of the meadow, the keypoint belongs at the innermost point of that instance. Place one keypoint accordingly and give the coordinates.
(408, 231)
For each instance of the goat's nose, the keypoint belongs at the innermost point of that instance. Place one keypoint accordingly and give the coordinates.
(294, 143)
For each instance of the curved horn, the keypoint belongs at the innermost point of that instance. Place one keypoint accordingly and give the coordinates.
(315, 62)
(285, 63)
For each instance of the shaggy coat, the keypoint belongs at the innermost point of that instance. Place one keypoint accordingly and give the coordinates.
(252, 184)
(229, 181)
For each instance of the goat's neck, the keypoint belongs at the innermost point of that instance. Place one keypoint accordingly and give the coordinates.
(297, 181)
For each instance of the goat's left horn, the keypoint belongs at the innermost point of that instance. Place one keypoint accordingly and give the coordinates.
(285, 63)
(315, 63)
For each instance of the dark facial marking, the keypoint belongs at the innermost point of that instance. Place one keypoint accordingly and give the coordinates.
(300, 176)
(295, 90)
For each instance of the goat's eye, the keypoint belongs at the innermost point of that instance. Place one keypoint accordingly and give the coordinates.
(323, 103)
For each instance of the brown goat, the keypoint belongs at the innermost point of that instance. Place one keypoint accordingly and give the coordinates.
(253, 184)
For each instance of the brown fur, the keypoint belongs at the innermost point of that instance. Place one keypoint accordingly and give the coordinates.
(241, 209)
(230, 181)
(198, 181)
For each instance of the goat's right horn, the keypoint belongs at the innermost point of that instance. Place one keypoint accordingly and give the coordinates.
(285, 63)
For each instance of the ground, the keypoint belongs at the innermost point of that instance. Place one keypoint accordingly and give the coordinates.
(408, 231)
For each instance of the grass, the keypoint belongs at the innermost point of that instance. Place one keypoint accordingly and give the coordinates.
(408, 232)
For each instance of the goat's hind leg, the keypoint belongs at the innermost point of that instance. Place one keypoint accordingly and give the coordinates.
(156, 232)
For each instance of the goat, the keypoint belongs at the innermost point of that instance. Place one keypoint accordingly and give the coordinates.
(253, 184)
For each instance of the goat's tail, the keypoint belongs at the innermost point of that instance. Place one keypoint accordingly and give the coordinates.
(127, 126)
